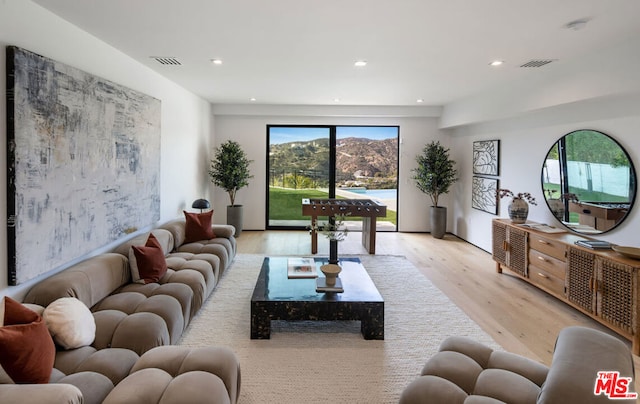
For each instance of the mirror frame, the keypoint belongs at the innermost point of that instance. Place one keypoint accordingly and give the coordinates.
(632, 185)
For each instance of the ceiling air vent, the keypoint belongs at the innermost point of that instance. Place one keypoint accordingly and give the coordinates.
(537, 62)
(167, 60)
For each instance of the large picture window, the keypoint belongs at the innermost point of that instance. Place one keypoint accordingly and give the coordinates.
(352, 162)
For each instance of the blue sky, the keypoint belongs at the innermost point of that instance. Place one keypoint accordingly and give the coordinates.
(290, 134)
(369, 132)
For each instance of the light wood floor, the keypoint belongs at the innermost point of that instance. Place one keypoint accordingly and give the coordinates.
(519, 317)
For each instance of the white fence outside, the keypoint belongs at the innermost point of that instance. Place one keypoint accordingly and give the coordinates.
(591, 176)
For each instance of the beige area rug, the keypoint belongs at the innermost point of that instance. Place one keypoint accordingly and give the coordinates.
(329, 362)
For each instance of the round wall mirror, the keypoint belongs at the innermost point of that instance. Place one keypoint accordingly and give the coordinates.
(589, 182)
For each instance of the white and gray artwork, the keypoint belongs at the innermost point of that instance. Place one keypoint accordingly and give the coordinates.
(84, 163)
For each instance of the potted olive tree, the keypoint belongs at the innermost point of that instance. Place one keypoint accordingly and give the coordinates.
(434, 176)
(230, 171)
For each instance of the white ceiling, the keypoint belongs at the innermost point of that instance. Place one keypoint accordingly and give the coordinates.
(303, 51)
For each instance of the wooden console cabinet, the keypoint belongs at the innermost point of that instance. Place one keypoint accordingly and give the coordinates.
(600, 283)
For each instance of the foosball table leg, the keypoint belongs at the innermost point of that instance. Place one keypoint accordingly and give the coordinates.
(314, 235)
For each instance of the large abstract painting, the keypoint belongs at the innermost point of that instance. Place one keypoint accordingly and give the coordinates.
(83, 163)
(484, 194)
(486, 157)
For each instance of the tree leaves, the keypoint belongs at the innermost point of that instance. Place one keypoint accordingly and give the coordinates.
(435, 172)
(230, 168)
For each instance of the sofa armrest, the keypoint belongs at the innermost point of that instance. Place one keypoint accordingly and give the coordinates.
(579, 355)
(177, 227)
(53, 393)
(224, 230)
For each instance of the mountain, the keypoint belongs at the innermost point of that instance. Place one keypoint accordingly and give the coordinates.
(356, 158)
(361, 157)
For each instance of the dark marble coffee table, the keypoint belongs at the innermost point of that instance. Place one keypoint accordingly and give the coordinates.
(276, 297)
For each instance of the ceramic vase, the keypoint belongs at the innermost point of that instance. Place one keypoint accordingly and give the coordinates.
(331, 272)
(518, 210)
(333, 251)
(235, 217)
(438, 216)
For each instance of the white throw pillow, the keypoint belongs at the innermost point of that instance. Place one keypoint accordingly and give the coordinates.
(70, 323)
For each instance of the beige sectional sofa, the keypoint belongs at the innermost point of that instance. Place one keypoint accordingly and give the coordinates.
(466, 371)
(135, 324)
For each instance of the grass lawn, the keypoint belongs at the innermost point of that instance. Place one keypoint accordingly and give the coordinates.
(286, 204)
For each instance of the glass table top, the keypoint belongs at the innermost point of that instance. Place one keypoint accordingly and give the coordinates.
(273, 283)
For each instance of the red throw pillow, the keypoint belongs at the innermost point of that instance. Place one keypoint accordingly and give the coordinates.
(27, 350)
(150, 261)
(198, 226)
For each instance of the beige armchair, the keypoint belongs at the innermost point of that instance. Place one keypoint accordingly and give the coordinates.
(465, 371)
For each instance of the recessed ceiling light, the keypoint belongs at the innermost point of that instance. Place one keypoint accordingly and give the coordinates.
(496, 63)
(252, 99)
(216, 61)
(360, 63)
(419, 100)
(336, 100)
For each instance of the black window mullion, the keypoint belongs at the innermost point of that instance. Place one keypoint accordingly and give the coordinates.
(332, 162)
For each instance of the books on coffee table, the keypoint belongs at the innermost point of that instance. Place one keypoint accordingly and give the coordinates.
(298, 267)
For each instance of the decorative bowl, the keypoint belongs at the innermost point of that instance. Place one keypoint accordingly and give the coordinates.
(629, 252)
(330, 272)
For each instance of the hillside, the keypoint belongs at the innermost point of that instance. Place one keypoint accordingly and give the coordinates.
(367, 158)
(357, 158)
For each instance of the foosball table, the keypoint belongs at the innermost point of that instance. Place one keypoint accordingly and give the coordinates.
(367, 209)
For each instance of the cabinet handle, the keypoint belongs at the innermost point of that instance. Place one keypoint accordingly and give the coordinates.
(598, 286)
(543, 241)
(505, 245)
(541, 258)
(540, 274)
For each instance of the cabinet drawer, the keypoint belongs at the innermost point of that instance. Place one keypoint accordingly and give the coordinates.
(550, 247)
(546, 280)
(552, 265)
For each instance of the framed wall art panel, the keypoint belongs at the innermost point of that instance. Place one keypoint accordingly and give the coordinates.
(486, 157)
(83, 159)
(483, 195)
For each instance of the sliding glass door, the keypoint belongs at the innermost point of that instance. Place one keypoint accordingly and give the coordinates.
(353, 162)
(299, 159)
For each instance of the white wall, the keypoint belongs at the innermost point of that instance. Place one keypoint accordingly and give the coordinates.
(598, 91)
(525, 142)
(249, 127)
(186, 124)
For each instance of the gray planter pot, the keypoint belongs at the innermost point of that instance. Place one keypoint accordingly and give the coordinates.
(234, 217)
(438, 216)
